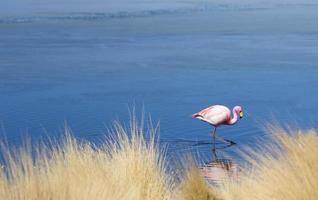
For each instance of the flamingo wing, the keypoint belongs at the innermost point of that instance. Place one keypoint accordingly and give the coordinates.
(214, 115)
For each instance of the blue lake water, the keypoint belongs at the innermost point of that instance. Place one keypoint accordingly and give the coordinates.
(88, 69)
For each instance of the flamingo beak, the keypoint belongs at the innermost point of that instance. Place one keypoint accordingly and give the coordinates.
(241, 114)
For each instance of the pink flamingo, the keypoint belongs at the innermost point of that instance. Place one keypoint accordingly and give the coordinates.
(217, 115)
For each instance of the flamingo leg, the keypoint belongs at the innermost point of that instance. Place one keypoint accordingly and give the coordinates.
(214, 138)
(215, 157)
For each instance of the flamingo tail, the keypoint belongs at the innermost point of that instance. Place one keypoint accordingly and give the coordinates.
(195, 115)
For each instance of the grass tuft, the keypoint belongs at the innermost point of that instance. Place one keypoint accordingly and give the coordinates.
(128, 166)
(287, 169)
(125, 167)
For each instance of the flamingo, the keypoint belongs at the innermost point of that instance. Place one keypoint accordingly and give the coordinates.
(217, 115)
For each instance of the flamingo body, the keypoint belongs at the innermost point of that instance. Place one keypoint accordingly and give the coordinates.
(217, 115)
(214, 115)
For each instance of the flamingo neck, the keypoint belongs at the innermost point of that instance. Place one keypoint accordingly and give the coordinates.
(233, 120)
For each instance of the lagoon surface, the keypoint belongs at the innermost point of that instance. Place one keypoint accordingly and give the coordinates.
(87, 69)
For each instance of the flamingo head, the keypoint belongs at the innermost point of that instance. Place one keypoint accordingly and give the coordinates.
(239, 110)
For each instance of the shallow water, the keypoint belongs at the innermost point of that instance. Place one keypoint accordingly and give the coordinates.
(87, 72)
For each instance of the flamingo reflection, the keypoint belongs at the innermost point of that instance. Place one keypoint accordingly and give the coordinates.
(220, 169)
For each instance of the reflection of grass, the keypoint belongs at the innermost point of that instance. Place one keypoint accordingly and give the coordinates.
(130, 168)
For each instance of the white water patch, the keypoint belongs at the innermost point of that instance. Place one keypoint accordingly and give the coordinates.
(109, 6)
(18, 7)
(29, 11)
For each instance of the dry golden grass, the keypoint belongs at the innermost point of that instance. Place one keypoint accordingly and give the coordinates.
(124, 168)
(128, 167)
(285, 170)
